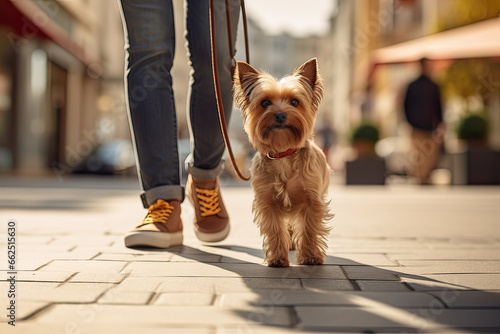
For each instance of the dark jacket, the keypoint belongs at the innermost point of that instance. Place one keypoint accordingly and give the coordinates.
(422, 104)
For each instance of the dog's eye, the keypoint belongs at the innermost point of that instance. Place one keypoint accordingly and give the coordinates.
(265, 103)
(294, 103)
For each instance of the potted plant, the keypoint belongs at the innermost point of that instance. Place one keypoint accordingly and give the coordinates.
(363, 139)
(473, 127)
(482, 164)
(367, 167)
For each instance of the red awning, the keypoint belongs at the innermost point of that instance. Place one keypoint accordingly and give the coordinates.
(22, 16)
(477, 40)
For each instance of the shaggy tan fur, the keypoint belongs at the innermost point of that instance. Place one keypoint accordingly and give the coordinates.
(290, 203)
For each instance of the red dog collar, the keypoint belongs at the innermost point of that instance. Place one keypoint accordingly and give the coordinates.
(282, 154)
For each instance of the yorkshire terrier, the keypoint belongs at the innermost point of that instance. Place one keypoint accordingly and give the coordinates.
(290, 175)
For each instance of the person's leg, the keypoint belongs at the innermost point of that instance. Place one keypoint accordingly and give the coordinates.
(425, 154)
(149, 26)
(431, 147)
(416, 156)
(207, 142)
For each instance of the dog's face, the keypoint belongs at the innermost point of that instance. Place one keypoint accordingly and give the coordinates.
(278, 115)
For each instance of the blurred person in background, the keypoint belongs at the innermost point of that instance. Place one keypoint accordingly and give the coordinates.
(423, 110)
(150, 43)
(326, 136)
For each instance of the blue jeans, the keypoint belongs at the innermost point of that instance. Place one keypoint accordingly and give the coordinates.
(150, 42)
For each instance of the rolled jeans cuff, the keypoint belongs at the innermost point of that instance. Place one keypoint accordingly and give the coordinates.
(204, 174)
(167, 193)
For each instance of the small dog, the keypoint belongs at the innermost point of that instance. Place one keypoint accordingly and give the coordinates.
(290, 175)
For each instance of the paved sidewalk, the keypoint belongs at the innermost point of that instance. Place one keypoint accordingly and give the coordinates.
(404, 259)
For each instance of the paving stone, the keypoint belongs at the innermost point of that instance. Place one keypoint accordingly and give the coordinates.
(343, 318)
(343, 298)
(161, 257)
(56, 255)
(355, 259)
(24, 309)
(469, 299)
(237, 254)
(31, 240)
(391, 319)
(370, 273)
(38, 276)
(83, 327)
(458, 253)
(421, 283)
(196, 258)
(85, 266)
(65, 293)
(464, 318)
(47, 248)
(450, 267)
(115, 248)
(114, 296)
(236, 250)
(186, 284)
(97, 277)
(189, 248)
(387, 286)
(326, 284)
(459, 281)
(258, 329)
(164, 315)
(243, 258)
(185, 299)
(232, 270)
(362, 245)
(87, 239)
(117, 257)
(225, 284)
(23, 263)
(140, 284)
(155, 256)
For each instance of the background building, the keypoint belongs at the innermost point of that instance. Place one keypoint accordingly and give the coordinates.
(377, 45)
(62, 62)
(61, 77)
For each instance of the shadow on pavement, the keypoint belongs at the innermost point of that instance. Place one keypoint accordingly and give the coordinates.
(427, 306)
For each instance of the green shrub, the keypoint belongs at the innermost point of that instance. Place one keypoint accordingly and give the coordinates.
(365, 132)
(472, 127)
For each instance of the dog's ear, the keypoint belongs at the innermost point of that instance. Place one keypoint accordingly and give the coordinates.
(245, 79)
(309, 72)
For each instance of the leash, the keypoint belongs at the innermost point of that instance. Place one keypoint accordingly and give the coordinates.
(215, 70)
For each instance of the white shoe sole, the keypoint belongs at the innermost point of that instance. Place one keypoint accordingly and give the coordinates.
(213, 237)
(153, 239)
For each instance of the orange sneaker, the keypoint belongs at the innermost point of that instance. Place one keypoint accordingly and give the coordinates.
(211, 218)
(161, 228)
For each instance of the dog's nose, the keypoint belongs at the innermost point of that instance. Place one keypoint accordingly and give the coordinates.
(280, 117)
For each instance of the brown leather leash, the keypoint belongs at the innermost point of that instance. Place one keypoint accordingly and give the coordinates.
(215, 70)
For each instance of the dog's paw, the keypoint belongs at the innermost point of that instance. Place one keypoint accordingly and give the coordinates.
(311, 261)
(278, 263)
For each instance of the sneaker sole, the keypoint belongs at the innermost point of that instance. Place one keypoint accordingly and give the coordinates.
(213, 237)
(153, 239)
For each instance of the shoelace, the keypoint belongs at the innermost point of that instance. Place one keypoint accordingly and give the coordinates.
(209, 201)
(158, 213)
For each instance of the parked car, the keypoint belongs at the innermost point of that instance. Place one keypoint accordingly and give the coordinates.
(113, 157)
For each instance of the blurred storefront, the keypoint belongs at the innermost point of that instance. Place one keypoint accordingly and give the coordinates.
(378, 45)
(396, 33)
(57, 92)
(474, 49)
